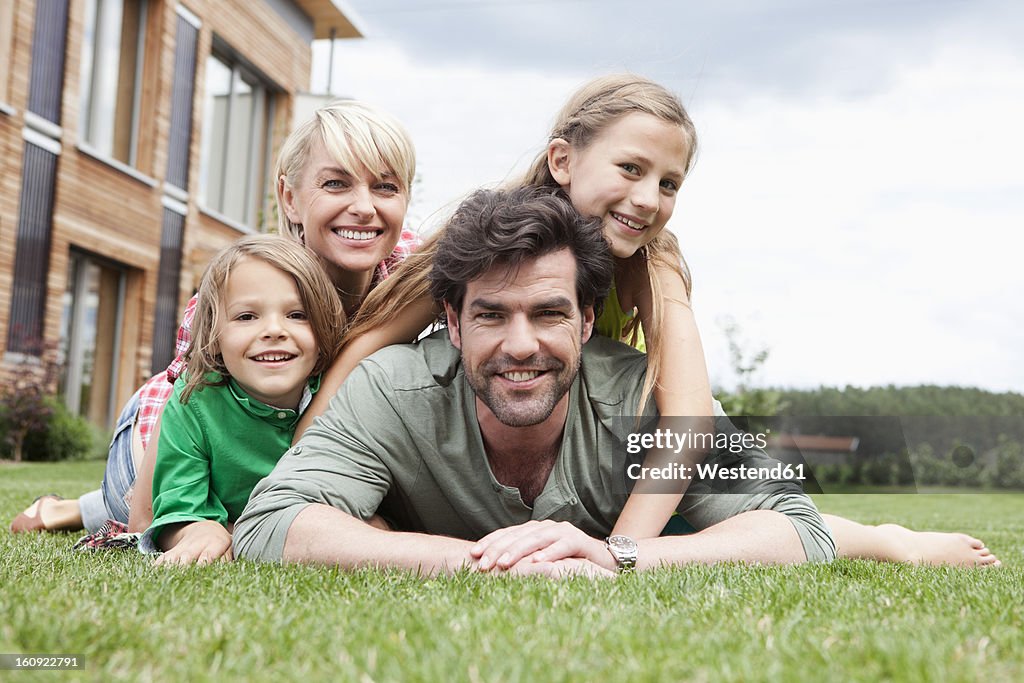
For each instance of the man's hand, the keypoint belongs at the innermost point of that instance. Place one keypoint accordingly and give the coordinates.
(197, 542)
(542, 541)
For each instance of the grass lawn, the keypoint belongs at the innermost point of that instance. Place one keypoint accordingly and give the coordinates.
(847, 621)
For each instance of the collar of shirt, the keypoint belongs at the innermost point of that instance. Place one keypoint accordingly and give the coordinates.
(282, 417)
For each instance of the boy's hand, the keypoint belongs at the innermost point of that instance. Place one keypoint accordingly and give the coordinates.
(538, 541)
(197, 543)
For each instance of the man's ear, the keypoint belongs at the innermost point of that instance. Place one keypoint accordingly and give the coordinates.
(453, 325)
(288, 200)
(588, 323)
(559, 152)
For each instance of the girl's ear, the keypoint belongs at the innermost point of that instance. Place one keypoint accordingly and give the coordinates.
(288, 200)
(559, 151)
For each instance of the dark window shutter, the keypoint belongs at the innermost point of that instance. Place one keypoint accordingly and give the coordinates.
(32, 251)
(49, 42)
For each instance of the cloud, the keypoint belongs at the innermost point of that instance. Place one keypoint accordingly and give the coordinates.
(857, 190)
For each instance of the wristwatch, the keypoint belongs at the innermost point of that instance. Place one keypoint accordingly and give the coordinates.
(624, 550)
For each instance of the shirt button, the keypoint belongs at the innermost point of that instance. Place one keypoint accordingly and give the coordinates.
(573, 501)
(282, 415)
(297, 450)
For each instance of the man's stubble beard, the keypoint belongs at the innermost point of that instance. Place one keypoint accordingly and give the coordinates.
(522, 413)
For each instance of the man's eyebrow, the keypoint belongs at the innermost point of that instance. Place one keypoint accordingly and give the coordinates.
(553, 302)
(487, 305)
(557, 302)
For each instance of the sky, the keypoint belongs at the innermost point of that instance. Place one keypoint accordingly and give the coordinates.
(857, 205)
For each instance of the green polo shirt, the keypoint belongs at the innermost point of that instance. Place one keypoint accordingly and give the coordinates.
(214, 449)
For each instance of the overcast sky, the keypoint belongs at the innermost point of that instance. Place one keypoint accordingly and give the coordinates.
(857, 206)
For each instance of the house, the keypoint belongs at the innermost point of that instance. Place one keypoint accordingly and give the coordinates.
(813, 449)
(137, 137)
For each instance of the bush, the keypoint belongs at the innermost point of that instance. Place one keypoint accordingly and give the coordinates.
(63, 436)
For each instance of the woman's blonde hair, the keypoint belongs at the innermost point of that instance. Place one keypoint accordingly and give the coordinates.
(589, 111)
(319, 298)
(353, 133)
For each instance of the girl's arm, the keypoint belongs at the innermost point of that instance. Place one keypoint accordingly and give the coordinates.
(140, 509)
(403, 328)
(682, 391)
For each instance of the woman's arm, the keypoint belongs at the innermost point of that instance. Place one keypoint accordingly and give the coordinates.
(407, 323)
(682, 392)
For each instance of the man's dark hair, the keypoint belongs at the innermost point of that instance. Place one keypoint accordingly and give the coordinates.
(508, 227)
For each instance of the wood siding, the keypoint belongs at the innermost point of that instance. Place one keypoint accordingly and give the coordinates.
(102, 209)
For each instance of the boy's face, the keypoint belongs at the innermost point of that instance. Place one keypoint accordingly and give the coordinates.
(521, 337)
(264, 335)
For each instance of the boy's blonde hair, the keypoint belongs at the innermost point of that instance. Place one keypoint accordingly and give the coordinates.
(319, 299)
(353, 133)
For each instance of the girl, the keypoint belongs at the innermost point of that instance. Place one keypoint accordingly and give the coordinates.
(620, 149)
(268, 321)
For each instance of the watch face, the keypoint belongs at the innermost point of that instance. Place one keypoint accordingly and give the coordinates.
(623, 544)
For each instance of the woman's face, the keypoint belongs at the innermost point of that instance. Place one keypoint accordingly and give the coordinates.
(628, 176)
(352, 218)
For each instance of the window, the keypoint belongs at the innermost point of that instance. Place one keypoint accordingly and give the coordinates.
(90, 337)
(236, 125)
(112, 58)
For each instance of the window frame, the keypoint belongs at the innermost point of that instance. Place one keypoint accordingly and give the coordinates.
(260, 139)
(93, 42)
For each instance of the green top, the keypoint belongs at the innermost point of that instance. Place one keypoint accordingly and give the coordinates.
(212, 452)
(401, 439)
(613, 320)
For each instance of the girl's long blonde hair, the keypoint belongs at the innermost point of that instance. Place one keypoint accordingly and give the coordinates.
(319, 298)
(589, 111)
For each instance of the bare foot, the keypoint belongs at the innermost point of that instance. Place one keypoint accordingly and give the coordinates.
(939, 548)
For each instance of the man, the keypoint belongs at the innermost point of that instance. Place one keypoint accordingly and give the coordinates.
(506, 423)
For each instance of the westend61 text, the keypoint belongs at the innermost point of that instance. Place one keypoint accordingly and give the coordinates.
(666, 439)
(715, 472)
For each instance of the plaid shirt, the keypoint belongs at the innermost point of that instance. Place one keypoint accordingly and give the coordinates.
(158, 389)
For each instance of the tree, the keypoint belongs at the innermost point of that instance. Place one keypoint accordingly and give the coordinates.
(747, 399)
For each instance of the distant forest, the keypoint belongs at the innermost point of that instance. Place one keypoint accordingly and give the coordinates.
(923, 435)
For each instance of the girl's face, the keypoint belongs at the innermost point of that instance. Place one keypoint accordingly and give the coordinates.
(264, 335)
(349, 218)
(628, 176)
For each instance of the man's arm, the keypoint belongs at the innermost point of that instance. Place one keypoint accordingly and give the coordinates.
(758, 536)
(322, 534)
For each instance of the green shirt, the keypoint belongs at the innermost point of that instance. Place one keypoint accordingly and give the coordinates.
(213, 450)
(401, 439)
(613, 320)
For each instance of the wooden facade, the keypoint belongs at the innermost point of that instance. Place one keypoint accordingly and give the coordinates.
(110, 216)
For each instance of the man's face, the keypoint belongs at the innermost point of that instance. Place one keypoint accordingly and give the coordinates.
(520, 335)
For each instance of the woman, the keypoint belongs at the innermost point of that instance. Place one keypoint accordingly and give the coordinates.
(343, 180)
